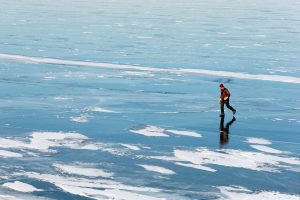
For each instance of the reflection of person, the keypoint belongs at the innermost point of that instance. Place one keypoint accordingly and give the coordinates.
(224, 99)
(224, 131)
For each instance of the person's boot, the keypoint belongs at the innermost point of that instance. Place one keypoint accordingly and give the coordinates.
(234, 111)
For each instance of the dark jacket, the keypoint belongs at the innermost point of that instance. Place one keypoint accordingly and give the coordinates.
(224, 93)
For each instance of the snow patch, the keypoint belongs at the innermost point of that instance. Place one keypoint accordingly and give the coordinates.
(196, 166)
(80, 119)
(9, 154)
(138, 73)
(49, 78)
(62, 98)
(185, 133)
(83, 171)
(158, 169)
(167, 112)
(98, 188)
(43, 141)
(266, 149)
(20, 186)
(236, 158)
(151, 131)
(258, 141)
(237, 192)
(267, 77)
(132, 147)
(97, 109)
(277, 119)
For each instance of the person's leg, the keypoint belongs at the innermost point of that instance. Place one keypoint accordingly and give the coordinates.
(229, 106)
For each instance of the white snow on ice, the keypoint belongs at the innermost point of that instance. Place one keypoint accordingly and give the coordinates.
(151, 131)
(97, 109)
(47, 141)
(132, 147)
(257, 161)
(43, 141)
(241, 193)
(98, 188)
(58, 98)
(266, 149)
(9, 154)
(80, 119)
(84, 171)
(158, 169)
(201, 167)
(258, 141)
(154, 131)
(236, 158)
(7, 197)
(20, 186)
(41, 60)
(277, 119)
(185, 133)
(49, 78)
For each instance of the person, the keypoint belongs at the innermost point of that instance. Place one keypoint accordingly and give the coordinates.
(224, 131)
(224, 99)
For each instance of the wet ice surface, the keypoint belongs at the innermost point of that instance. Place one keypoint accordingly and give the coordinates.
(145, 139)
(70, 130)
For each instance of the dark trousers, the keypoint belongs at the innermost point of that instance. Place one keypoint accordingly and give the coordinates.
(226, 102)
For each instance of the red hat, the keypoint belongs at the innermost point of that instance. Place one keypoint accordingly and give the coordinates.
(221, 85)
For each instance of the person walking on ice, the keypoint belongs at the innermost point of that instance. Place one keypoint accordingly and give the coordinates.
(224, 99)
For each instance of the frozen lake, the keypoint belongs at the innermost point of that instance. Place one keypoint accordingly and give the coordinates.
(119, 100)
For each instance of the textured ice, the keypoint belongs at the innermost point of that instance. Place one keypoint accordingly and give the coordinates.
(237, 192)
(48, 141)
(81, 170)
(266, 77)
(97, 188)
(119, 99)
(234, 158)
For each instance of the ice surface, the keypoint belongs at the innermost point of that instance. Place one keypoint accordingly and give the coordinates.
(266, 77)
(95, 188)
(119, 99)
(235, 192)
(235, 158)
